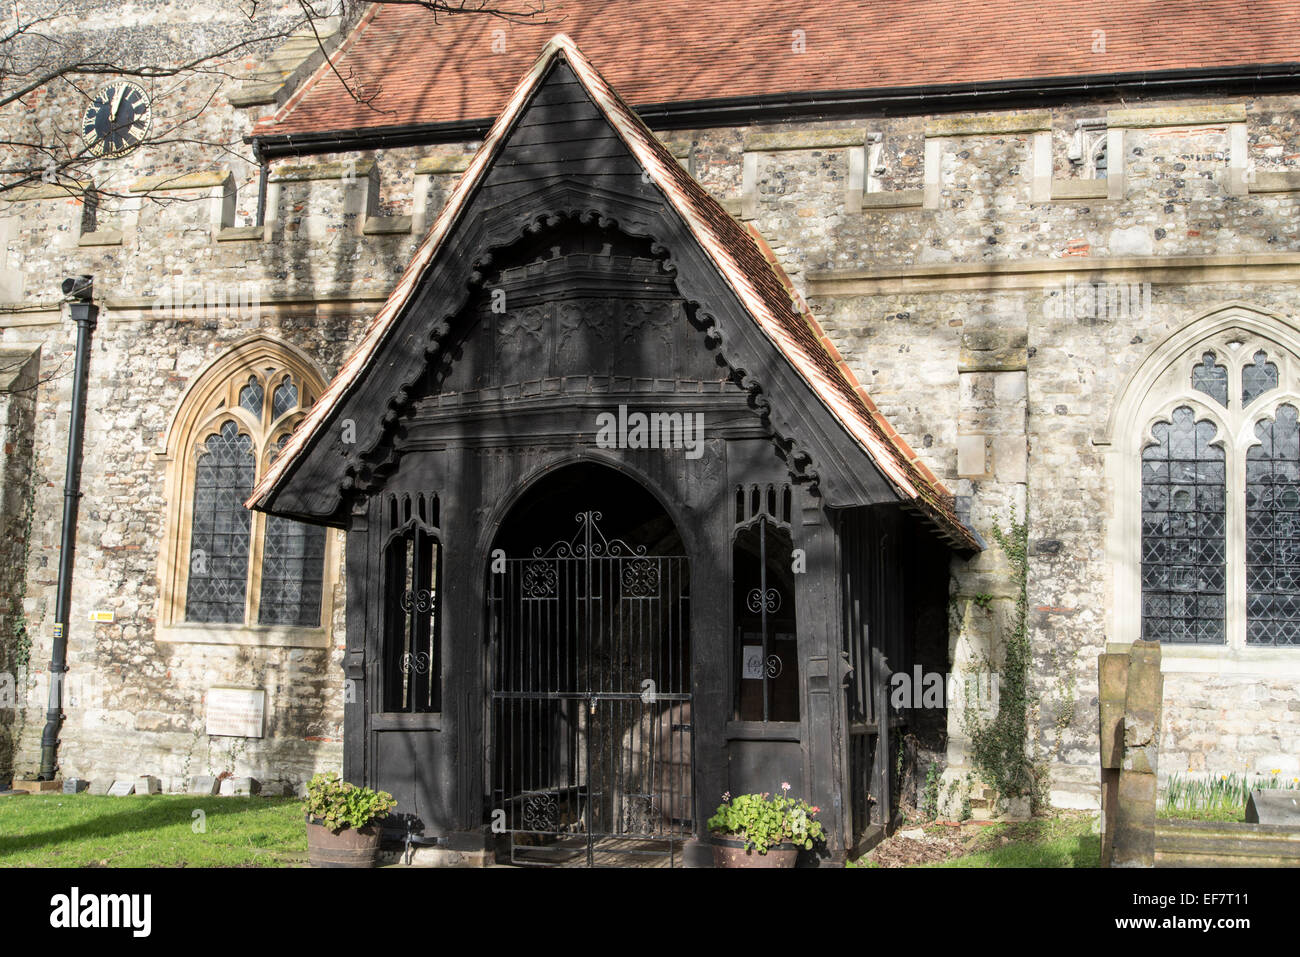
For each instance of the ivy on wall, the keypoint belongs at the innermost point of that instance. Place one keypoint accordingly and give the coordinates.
(1000, 745)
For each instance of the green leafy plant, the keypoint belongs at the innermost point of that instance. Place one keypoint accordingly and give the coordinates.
(338, 804)
(930, 796)
(1221, 792)
(764, 820)
(1000, 746)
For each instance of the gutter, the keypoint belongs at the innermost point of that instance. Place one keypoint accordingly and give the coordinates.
(826, 104)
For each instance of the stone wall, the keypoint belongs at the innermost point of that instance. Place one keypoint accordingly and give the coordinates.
(17, 417)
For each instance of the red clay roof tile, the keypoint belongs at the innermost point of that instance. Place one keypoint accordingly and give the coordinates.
(427, 70)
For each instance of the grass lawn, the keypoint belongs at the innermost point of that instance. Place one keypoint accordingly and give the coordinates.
(1228, 813)
(1044, 842)
(64, 830)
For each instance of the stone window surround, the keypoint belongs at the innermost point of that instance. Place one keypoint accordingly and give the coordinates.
(191, 424)
(1152, 391)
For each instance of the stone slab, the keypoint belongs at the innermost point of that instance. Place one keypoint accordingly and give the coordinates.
(1148, 117)
(148, 784)
(238, 712)
(240, 787)
(121, 789)
(37, 787)
(203, 784)
(430, 165)
(990, 125)
(804, 140)
(1268, 806)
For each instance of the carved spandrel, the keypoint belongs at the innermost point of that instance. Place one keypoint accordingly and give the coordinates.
(645, 341)
(522, 338)
(583, 339)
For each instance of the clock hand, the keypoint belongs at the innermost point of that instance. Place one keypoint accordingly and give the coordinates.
(117, 102)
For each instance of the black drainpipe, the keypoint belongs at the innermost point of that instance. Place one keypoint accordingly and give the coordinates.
(84, 313)
(261, 181)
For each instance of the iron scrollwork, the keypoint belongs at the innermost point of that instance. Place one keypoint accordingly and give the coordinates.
(541, 813)
(641, 578)
(421, 601)
(757, 599)
(418, 662)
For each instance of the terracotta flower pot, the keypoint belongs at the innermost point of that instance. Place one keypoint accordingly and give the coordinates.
(729, 851)
(349, 847)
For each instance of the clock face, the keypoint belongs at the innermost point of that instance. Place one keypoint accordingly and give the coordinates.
(117, 120)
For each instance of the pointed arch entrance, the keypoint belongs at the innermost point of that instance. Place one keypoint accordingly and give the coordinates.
(590, 749)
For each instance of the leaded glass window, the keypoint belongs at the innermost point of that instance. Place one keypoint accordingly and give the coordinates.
(1211, 378)
(219, 540)
(245, 568)
(251, 395)
(1273, 531)
(284, 398)
(1258, 378)
(1183, 532)
(293, 562)
(1217, 496)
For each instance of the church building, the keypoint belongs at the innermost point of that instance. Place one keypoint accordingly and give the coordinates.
(563, 422)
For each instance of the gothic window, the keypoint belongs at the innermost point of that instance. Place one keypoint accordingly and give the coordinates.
(229, 574)
(412, 646)
(1220, 497)
(1273, 531)
(1183, 527)
(766, 669)
(223, 478)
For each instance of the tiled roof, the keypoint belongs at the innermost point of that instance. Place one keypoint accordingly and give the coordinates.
(740, 256)
(448, 69)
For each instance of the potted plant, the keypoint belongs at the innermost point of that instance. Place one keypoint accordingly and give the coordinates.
(760, 830)
(342, 828)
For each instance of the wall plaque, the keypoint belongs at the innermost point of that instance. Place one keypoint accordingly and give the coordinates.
(236, 712)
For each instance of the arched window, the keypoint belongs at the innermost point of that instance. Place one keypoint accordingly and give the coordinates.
(766, 669)
(230, 575)
(1207, 536)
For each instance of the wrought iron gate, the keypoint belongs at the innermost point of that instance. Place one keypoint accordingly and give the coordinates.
(592, 751)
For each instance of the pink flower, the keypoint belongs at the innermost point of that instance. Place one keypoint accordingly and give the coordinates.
(785, 785)
(726, 795)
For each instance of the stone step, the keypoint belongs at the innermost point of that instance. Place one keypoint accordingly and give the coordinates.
(1215, 844)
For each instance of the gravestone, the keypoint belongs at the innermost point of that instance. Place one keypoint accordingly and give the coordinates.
(203, 784)
(75, 785)
(1129, 700)
(240, 786)
(100, 788)
(148, 784)
(121, 789)
(1269, 806)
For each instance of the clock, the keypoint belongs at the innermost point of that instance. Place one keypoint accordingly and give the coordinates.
(117, 120)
